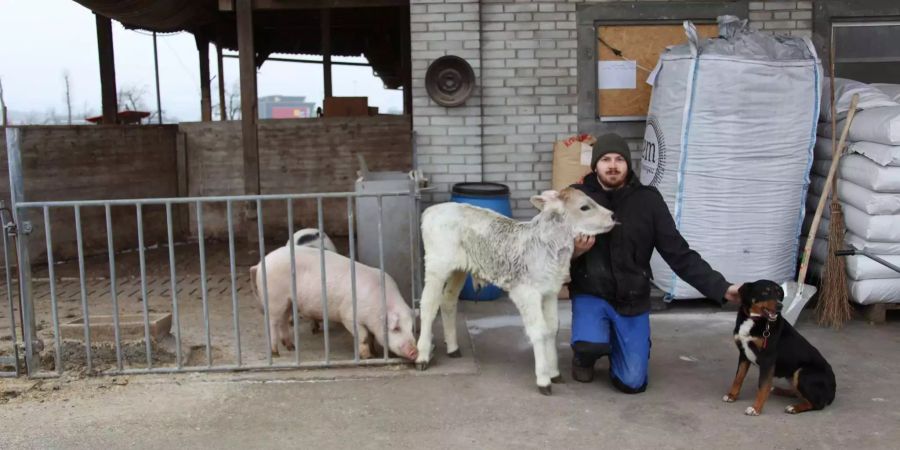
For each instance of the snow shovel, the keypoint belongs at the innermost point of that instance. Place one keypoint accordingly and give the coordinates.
(796, 294)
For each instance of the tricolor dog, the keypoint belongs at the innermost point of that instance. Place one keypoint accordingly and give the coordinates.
(766, 340)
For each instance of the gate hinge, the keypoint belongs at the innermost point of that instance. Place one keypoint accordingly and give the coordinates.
(13, 230)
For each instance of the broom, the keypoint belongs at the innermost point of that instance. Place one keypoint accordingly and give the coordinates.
(833, 307)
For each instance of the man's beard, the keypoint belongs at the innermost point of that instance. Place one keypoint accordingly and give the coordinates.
(605, 180)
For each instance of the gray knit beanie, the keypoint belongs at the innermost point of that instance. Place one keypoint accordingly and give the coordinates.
(610, 143)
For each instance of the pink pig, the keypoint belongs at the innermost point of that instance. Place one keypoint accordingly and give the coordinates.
(370, 314)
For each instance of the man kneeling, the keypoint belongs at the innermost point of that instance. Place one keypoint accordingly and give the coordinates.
(610, 273)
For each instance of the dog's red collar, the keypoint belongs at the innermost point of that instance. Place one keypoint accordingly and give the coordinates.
(766, 332)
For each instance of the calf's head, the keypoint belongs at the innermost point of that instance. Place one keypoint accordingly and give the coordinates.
(581, 212)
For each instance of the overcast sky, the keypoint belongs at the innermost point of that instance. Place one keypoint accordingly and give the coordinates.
(41, 39)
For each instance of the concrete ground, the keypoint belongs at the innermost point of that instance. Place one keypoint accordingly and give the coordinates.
(485, 400)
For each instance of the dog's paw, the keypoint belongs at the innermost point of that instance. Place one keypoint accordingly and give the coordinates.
(790, 409)
(727, 398)
(751, 411)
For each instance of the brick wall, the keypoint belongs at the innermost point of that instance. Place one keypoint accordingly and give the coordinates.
(524, 57)
(94, 162)
(99, 162)
(448, 142)
(296, 156)
(794, 18)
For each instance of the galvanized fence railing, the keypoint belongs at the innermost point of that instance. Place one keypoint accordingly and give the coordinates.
(21, 229)
(9, 358)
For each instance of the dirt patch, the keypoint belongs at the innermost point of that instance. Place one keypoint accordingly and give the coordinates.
(103, 355)
(64, 388)
(26, 389)
(197, 355)
(8, 394)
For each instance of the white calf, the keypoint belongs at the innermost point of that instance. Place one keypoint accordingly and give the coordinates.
(530, 260)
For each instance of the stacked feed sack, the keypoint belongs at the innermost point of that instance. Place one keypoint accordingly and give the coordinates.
(868, 189)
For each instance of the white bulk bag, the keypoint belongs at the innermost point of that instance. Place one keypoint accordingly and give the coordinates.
(729, 143)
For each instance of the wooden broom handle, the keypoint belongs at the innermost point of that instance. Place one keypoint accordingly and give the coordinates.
(817, 217)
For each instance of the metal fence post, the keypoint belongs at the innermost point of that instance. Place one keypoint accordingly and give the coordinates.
(9, 297)
(23, 229)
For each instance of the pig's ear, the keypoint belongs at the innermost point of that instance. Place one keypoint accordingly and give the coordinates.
(394, 321)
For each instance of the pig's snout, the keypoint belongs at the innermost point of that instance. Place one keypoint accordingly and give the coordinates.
(410, 351)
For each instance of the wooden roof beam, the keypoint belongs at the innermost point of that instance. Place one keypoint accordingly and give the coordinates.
(249, 117)
(108, 92)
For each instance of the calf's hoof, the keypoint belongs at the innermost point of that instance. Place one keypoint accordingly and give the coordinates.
(455, 354)
(557, 379)
(545, 390)
(422, 366)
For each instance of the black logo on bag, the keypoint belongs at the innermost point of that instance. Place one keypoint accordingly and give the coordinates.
(653, 158)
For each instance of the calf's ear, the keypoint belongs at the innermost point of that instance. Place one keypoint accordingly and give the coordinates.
(547, 201)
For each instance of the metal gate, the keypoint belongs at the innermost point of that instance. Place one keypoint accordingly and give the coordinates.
(29, 355)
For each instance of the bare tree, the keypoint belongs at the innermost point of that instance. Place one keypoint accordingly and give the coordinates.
(87, 111)
(132, 98)
(50, 117)
(31, 117)
(232, 104)
(68, 97)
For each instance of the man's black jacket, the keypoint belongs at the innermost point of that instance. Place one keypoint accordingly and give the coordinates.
(617, 267)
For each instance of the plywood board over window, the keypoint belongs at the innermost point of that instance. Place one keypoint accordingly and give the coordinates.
(642, 44)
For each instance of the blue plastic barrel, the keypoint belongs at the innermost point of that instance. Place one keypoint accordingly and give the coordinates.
(493, 196)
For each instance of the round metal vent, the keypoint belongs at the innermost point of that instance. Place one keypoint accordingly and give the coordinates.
(449, 81)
